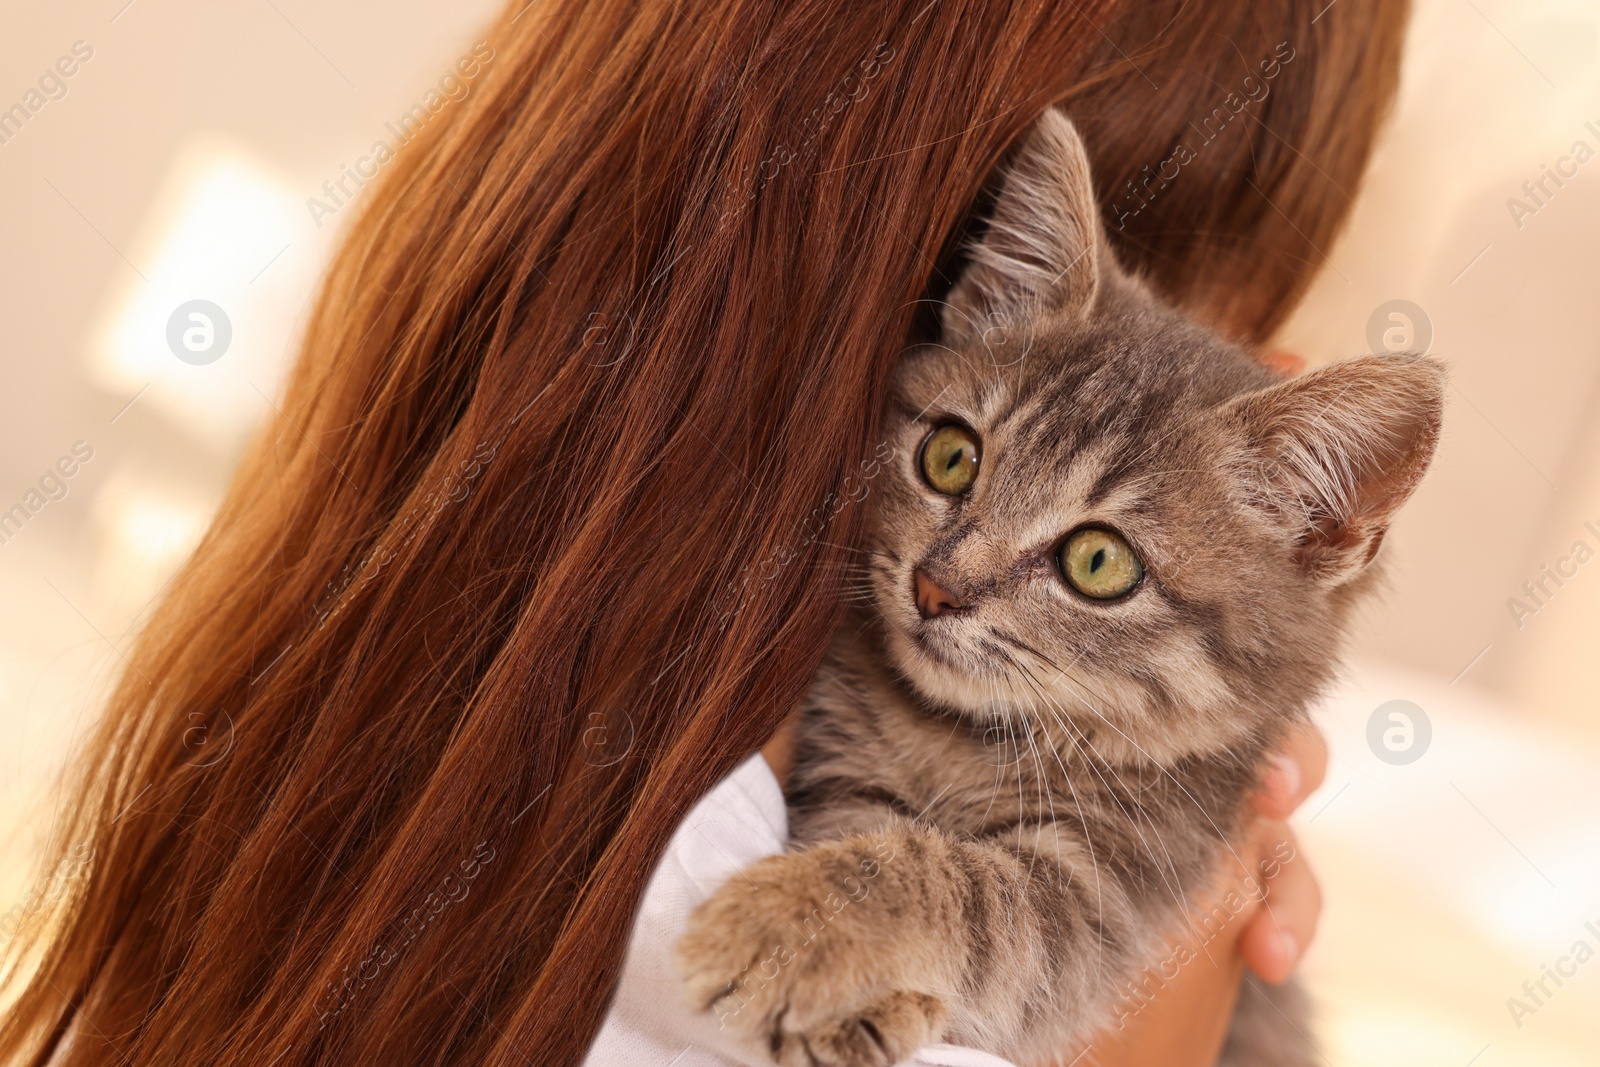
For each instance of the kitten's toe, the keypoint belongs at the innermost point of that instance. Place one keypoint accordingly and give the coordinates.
(844, 1043)
(900, 1023)
(887, 1031)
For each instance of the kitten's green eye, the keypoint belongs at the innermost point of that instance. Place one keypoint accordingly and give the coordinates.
(1099, 564)
(950, 459)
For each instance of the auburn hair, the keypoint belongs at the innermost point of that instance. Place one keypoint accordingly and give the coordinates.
(553, 524)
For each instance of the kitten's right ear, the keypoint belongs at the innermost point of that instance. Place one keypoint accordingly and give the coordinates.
(1041, 252)
(1330, 456)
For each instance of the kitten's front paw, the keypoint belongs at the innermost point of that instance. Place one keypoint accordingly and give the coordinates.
(784, 962)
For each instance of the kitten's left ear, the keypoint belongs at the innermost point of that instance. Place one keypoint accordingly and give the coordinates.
(1040, 253)
(1331, 455)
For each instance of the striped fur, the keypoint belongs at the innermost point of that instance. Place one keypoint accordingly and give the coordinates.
(1001, 814)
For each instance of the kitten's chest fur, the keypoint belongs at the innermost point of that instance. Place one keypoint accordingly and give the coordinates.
(869, 750)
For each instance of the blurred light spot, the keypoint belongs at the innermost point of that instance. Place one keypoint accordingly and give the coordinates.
(226, 230)
(1374, 1035)
(145, 533)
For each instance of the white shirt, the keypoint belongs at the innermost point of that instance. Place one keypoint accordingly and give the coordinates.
(651, 1023)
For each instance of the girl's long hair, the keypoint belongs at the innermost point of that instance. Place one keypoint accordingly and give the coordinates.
(552, 528)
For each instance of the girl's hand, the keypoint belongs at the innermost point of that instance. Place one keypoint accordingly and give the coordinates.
(1182, 1018)
(1277, 935)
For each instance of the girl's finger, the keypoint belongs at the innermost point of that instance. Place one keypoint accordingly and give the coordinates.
(1297, 769)
(1276, 936)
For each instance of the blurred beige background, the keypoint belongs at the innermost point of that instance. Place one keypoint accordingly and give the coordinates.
(175, 163)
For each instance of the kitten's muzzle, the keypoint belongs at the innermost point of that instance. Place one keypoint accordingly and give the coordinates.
(931, 597)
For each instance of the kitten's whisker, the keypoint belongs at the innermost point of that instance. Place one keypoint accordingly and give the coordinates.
(1177, 893)
(1175, 885)
(1033, 854)
(1088, 839)
(1154, 762)
(994, 791)
(1057, 712)
(1046, 794)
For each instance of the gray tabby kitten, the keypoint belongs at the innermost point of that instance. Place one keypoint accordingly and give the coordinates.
(1129, 555)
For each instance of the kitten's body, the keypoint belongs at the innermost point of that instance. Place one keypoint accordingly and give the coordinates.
(1009, 797)
(1070, 872)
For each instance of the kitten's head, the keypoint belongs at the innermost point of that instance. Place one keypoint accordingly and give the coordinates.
(1102, 512)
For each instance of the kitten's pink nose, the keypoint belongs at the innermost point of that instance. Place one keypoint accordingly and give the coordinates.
(933, 598)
